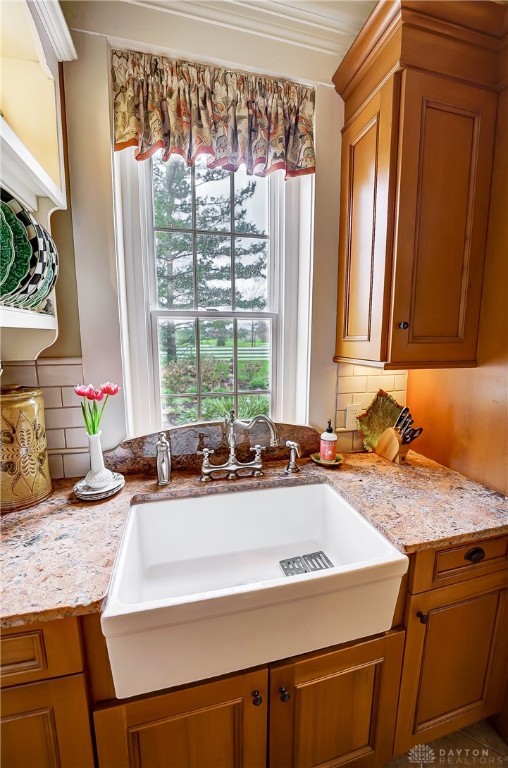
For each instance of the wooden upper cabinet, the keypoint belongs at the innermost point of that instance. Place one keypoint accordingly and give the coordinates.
(415, 185)
(446, 144)
(366, 170)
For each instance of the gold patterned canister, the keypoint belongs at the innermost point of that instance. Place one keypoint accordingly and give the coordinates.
(24, 470)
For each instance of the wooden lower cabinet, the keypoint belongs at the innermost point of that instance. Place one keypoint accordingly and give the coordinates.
(336, 708)
(214, 725)
(455, 661)
(328, 708)
(46, 725)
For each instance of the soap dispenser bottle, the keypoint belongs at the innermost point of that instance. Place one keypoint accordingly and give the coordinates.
(328, 444)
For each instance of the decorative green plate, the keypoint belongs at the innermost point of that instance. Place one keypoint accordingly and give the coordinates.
(7, 253)
(23, 250)
(43, 291)
(381, 414)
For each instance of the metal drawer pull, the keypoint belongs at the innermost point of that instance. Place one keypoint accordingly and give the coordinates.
(284, 694)
(423, 617)
(475, 555)
(257, 699)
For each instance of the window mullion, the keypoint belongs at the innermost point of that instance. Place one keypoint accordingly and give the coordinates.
(198, 364)
(235, 365)
(233, 240)
(194, 238)
(233, 290)
(197, 335)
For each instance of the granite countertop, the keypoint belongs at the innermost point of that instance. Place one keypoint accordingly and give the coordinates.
(57, 557)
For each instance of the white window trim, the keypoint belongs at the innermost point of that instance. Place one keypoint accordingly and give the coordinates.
(291, 203)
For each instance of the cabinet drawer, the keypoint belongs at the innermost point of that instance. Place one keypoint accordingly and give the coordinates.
(40, 651)
(436, 568)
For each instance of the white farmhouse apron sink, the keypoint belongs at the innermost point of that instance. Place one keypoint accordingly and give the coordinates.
(198, 589)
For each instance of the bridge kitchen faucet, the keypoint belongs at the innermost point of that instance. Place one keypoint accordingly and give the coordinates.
(232, 465)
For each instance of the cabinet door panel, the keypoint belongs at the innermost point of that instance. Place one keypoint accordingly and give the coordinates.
(341, 706)
(344, 730)
(215, 725)
(451, 682)
(209, 737)
(455, 662)
(363, 269)
(46, 725)
(445, 160)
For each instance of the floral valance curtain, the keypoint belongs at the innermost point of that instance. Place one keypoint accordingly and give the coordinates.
(190, 109)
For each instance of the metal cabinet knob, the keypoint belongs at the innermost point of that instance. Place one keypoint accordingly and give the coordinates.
(257, 699)
(475, 555)
(423, 617)
(404, 325)
(284, 694)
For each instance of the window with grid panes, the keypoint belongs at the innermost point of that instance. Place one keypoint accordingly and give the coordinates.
(213, 317)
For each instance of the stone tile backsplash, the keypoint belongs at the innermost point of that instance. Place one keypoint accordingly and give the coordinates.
(66, 437)
(65, 433)
(360, 384)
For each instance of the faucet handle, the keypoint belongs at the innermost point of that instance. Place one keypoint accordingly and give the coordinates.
(258, 448)
(205, 453)
(294, 446)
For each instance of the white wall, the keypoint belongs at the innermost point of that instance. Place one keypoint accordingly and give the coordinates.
(89, 135)
(88, 107)
(323, 371)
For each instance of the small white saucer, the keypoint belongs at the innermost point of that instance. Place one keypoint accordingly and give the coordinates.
(84, 492)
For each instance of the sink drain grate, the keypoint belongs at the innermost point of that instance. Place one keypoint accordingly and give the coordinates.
(315, 561)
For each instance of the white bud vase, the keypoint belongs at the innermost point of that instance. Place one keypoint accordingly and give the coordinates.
(99, 476)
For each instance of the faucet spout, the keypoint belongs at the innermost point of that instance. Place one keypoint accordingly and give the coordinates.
(269, 423)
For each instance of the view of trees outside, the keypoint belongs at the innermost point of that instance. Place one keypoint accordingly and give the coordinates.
(211, 249)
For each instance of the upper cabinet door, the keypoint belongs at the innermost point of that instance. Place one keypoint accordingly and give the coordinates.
(363, 269)
(445, 159)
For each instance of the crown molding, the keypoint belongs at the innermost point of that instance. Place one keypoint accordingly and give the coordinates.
(52, 19)
(269, 19)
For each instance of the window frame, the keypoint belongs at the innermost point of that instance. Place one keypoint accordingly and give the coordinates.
(134, 232)
(157, 313)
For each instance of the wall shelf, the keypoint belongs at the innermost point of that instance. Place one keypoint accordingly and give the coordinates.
(10, 317)
(34, 39)
(25, 333)
(22, 174)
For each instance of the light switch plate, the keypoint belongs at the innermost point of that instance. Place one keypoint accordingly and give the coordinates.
(352, 411)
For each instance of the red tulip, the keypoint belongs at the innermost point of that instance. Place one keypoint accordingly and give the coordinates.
(95, 394)
(92, 414)
(109, 388)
